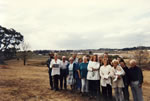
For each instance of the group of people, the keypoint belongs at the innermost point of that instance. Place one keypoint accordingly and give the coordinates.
(96, 75)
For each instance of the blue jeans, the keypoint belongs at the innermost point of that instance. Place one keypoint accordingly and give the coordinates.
(119, 94)
(77, 84)
(136, 91)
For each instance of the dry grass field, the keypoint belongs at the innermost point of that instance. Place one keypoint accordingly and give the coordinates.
(31, 83)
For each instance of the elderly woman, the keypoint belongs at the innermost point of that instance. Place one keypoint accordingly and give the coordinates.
(83, 72)
(70, 72)
(93, 76)
(63, 72)
(117, 84)
(136, 80)
(105, 74)
(55, 65)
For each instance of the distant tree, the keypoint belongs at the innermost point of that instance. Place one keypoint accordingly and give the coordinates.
(25, 48)
(9, 42)
(141, 56)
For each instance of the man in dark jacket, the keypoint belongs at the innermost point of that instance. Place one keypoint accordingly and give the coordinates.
(51, 56)
(136, 81)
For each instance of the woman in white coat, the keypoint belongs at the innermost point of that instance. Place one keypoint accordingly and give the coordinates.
(105, 74)
(93, 76)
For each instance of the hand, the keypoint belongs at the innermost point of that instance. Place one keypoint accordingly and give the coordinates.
(79, 77)
(105, 78)
(92, 69)
(119, 77)
(140, 85)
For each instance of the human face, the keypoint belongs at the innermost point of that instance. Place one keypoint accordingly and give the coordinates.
(105, 62)
(94, 58)
(100, 58)
(74, 56)
(85, 60)
(119, 59)
(122, 64)
(133, 64)
(55, 57)
(115, 64)
(71, 61)
(64, 59)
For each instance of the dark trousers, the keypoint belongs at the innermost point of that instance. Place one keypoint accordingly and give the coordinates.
(94, 87)
(126, 93)
(63, 77)
(107, 91)
(77, 84)
(56, 78)
(50, 78)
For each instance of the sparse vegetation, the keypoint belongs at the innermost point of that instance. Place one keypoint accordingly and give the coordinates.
(30, 83)
(142, 57)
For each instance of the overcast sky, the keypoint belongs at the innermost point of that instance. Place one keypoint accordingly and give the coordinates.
(79, 24)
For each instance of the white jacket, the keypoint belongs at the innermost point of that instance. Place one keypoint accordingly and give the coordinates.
(63, 65)
(55, 70)
(105, 73)
(93, 75)
(119, 83)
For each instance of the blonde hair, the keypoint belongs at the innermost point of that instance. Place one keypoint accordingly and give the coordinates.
(114, 60)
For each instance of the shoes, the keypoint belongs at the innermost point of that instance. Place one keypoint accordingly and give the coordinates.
(83, 94)
(56, 89)
(91, 97)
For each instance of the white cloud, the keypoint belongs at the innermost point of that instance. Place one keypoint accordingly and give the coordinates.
(78, 24)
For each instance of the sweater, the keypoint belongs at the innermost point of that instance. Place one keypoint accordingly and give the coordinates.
(93, 75)
(105, 73)
(83, 70)
(135, 74)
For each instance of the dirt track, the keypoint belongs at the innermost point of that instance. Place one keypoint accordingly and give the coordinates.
(30, 83)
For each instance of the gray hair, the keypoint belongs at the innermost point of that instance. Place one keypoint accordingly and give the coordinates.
(84, 57)
(71, 58)
(132, 61)
(63, 57)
